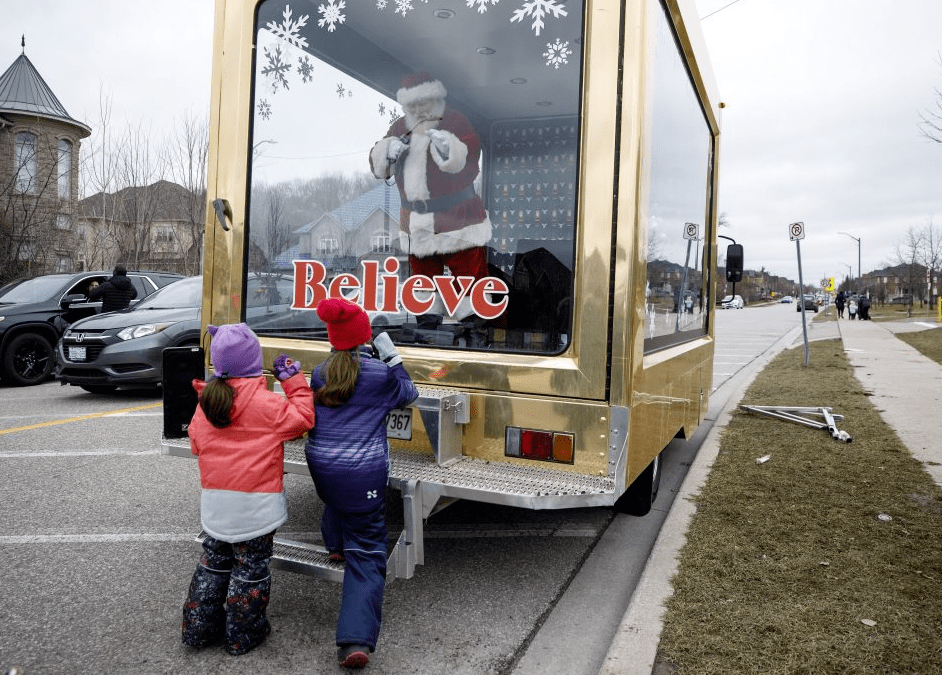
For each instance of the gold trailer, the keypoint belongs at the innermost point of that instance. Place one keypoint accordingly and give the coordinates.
(576, 155)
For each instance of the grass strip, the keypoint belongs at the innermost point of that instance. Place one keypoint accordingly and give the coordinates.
(827, 558)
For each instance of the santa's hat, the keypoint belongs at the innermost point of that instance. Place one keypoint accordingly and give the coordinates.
(419, 86)
(235, 351)
(348, 326)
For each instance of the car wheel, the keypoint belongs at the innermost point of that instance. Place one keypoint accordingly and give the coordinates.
(28, 359)
(640, 495)
(99, 388)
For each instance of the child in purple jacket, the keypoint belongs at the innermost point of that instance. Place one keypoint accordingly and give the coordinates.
(348, 456)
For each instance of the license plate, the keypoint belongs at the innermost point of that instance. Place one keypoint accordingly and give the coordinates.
(399, 424)
(76, 353)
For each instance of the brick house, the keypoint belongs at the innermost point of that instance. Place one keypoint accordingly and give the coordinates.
(39, 161)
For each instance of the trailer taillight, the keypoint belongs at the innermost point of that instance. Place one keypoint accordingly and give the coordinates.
(547, 446)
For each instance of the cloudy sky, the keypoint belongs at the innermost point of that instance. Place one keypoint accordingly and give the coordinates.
(821, 121)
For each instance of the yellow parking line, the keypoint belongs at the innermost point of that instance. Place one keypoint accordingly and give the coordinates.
(80, 419)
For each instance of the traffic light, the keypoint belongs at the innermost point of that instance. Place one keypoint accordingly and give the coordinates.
(734, 262)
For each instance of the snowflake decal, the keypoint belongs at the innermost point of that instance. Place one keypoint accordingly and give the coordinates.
(538, 9)
(404, 7)
(341, 91)
(264, 109)
(288, 30)
(557, 53)
(305, 69)
(380, 4)
(277, 68)
(481, 4)
(331, 14)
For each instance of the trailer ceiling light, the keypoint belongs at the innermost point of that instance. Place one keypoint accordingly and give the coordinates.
(545, 446)
(486, 51)
(443, 13)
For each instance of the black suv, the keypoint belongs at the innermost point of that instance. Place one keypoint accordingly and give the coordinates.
(35, 312)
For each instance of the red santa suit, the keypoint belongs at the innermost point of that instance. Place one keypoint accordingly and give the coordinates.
(443, 220)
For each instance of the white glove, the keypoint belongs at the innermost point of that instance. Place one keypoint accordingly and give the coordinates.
(386, 350)
(439, 140)
(396, 148)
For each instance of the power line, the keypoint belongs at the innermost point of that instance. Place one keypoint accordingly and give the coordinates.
(719, 10)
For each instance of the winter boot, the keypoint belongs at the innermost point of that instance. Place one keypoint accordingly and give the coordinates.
(246, 623)
(204, 612)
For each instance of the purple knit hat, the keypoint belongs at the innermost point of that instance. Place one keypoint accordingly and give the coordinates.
(235, 351)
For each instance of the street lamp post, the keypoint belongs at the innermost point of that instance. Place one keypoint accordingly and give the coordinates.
(857, 239)
(850, 271)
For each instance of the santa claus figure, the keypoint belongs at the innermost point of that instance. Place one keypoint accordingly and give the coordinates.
(433, 152)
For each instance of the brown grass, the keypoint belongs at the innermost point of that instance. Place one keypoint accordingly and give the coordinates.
(785, 560)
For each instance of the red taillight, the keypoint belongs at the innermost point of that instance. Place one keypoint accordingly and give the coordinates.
(546, 446)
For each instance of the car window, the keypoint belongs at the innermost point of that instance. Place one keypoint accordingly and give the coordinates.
(183, 293)
(141, 285)
(85, 285)
(35, 290)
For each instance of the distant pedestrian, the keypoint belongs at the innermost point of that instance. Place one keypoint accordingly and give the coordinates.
(348, 456)
(852, 308)
(116, 293)
(839, 303)
(238, 434)
(863, 309)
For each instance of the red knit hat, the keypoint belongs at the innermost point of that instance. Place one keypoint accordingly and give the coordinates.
(348, 326)
(419, 86)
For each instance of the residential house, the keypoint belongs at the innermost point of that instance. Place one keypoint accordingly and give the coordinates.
(39, 153)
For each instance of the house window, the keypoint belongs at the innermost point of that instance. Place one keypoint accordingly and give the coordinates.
(25, 158)
(64, 221)
(63, 263)
(164, 233)
(65, 169)
(327, 246)
(380, 243)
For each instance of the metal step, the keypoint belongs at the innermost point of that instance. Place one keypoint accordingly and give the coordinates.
(300, 558)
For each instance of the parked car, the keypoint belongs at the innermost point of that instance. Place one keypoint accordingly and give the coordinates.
(732, 302)
(35, 312)
(101, 353)
(787, 299)
(810, 303)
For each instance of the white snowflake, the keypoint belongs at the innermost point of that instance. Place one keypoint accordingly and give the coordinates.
(481, 4)
(557, 53)
(380, 4)
(305, 69)
(538, 9)
(404, 7)
(331, 14)
(276, 68)
(290, 31)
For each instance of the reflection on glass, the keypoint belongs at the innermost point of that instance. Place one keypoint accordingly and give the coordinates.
(421, 161)
(680, 164)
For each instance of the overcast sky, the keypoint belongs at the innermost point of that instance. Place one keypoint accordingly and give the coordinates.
(820, 126)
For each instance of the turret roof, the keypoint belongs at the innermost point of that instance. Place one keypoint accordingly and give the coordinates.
(23, 91)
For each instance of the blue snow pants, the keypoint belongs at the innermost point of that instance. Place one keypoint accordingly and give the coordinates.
(362, 538)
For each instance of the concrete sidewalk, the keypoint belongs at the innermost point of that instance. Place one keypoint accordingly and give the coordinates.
(904, 386)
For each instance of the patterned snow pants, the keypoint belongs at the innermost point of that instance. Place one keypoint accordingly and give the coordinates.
(228, 595)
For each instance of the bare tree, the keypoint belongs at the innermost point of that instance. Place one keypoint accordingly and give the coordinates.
(188, 155)
(909, 270)
(931, 120)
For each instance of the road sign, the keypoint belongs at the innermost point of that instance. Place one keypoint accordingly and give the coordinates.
(796, 231)
(691, 231)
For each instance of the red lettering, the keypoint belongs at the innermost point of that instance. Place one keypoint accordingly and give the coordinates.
(309, 276)
(450, 296)
(481, 303)
(340, 283)
(410, 302)
(390, 285)
(370, 272)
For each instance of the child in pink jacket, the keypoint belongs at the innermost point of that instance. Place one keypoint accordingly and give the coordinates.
(238, 434)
